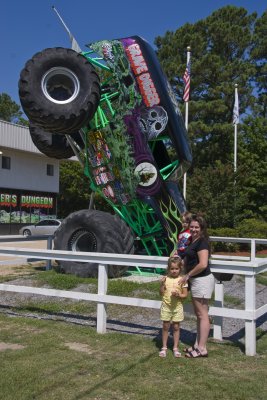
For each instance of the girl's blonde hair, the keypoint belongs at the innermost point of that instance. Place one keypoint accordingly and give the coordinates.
(174, 260)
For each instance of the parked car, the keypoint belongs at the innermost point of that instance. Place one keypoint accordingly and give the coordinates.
(44, 227)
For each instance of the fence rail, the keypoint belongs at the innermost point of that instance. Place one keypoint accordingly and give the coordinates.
(248, 268)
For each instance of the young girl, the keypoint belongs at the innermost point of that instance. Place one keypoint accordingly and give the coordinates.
(172, 291)
(184, 237)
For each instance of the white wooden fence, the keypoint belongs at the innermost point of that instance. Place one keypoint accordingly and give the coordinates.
(248, 267)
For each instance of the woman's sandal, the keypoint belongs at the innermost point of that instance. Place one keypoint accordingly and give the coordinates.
(189, 349)
(176, 353)
(196, 353)
(163, 352)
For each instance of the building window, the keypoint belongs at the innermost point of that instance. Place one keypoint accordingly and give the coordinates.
(6, 162)
(50, 170)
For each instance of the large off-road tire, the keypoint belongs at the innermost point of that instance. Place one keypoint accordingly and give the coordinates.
(59, 90)
(93, 231)
(53, 145)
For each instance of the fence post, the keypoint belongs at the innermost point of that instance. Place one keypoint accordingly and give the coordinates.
(49, 247)
(101, 324)
(218, 321)
(250, 325)
(253, 250)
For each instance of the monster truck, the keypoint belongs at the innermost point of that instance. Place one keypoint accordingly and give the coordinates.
(113, 108)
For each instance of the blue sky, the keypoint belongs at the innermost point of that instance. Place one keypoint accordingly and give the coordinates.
(28, 26)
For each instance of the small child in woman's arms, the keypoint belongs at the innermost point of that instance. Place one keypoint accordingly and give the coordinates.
(184, 237)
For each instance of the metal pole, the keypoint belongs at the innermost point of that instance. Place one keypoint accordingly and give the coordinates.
(235, 131)
(186, 119)
(235, 121)
(74, 44)
(235, 148)
(49, 247)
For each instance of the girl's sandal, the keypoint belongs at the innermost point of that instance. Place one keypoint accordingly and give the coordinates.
(176, 353)
(163, 352)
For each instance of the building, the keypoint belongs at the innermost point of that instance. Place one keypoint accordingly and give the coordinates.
(29, 181)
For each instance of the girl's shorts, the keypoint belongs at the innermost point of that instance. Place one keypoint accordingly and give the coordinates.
(202, 287)
(174, 314)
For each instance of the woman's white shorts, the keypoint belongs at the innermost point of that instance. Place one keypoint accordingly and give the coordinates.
(202, 287)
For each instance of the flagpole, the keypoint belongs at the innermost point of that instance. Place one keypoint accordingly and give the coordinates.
(186, 117)
(74, 44)
(236, 120)
(235, 149)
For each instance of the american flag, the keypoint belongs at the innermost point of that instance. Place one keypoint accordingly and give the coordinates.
(186, 79)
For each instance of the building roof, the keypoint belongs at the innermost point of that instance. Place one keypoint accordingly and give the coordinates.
(17, 137)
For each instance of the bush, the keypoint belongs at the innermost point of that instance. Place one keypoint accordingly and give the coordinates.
(224, 246)
(252, 228)
(248, 228)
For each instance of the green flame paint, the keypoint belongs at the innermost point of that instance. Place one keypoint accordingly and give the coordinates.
(171, 215)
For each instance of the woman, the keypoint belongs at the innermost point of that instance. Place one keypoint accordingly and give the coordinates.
(196, 263)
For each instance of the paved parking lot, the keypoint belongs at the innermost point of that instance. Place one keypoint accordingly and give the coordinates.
(38, 244)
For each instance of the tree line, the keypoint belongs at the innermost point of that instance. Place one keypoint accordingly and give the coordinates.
(228, 47)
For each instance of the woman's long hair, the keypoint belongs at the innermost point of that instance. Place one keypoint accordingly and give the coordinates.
(203, 228)
(203, 225)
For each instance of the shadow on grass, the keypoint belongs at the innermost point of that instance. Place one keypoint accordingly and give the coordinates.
(236, 337)
(105, 382)
(186, 336)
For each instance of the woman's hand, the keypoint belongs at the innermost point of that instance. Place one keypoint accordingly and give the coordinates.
(185, 279)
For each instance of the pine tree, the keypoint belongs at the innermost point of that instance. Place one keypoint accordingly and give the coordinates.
(227, 47)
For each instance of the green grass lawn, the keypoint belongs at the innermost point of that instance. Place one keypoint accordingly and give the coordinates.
(58, 360)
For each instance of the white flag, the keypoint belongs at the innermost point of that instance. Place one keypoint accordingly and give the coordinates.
(74, 44)
(236, 109)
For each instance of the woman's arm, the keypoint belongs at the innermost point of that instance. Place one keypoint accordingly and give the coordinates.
(203, 259)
